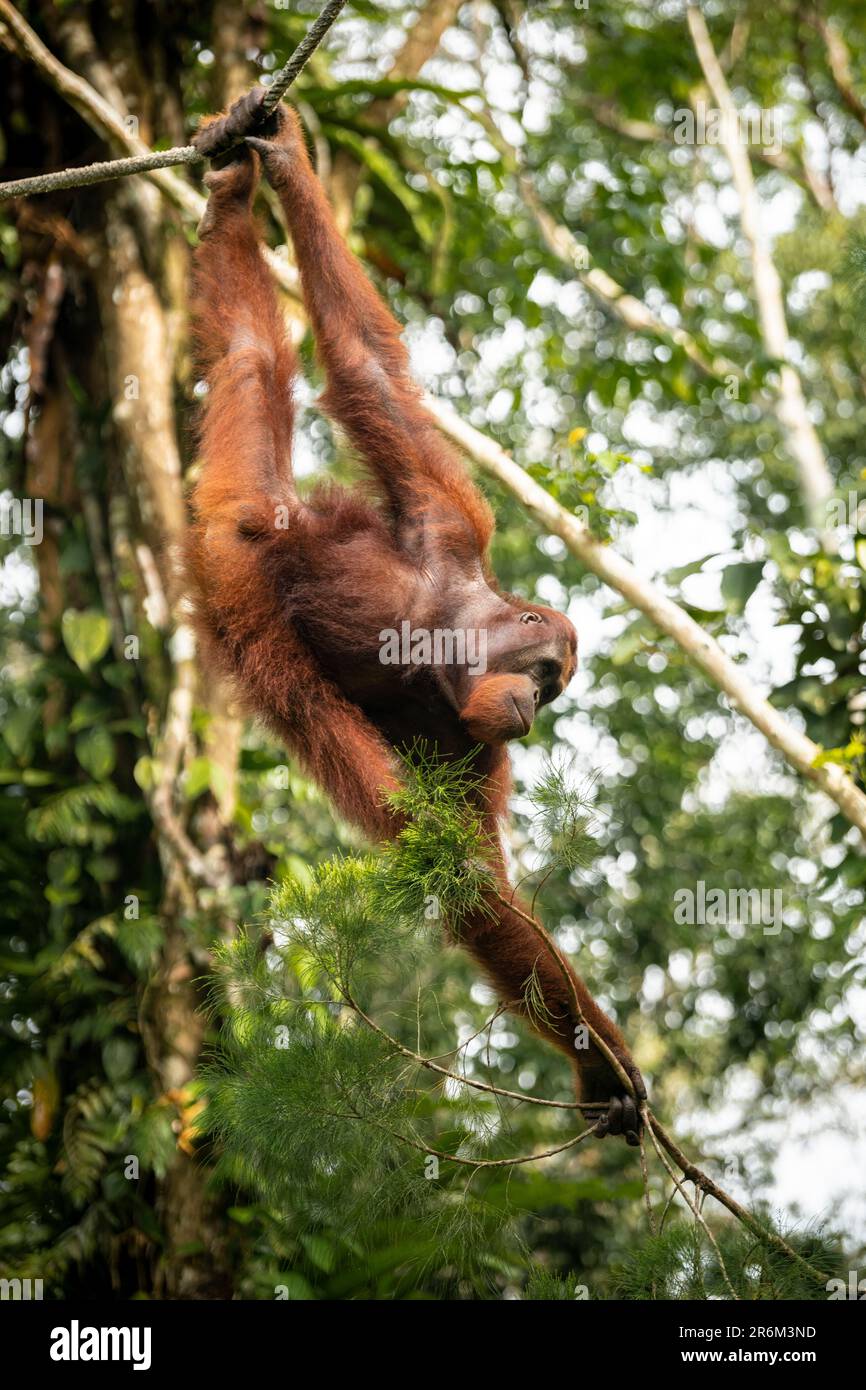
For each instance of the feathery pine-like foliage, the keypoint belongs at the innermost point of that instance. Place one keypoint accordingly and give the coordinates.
(309, 1097)
(680, 1263)
(310, 1103)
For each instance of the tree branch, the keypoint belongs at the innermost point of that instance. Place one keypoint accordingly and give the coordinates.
(430, 1065)
(701, 1179)
(176, 734)
(791, 410)
(695, 1206)
(840, 65)
(660, 1138)
(101, 117)
(663, 612)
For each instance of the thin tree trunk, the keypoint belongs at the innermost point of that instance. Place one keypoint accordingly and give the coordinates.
(816, 480)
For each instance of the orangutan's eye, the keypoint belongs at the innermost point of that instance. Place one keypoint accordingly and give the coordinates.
(531, 618)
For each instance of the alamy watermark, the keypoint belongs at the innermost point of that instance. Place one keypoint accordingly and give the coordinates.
(854, 1289)
(706, 125)
(847, 511)
(438, 646)
(703, 906)
(28, 1290)
(77, 1343)
(22, 516)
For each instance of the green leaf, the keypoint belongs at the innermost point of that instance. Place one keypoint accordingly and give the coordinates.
(56, 739)
(67, 817)
(198, 777)
(95, 751)
(296, 1287)
(64, 867)
(18, 731)
(103, 868)
(739, 582)
(139, 940)
(87, 711)
(144, 773)
(321, 1252)
(202, 775)
(244, 1216)
(119, 1056)
(681, 572)
(86, 636)
(26, 777)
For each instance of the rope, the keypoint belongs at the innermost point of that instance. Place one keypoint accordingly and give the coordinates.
(308, 45)
(181, 154)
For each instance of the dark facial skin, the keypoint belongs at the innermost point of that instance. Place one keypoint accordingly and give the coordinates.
(536, 645)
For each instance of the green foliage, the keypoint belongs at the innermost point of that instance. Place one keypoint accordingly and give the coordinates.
(438, 856)
(855, 270)
(681, 1263)
(578, 480)
(313, 1103)
(87, 636)
(544, 1287)
(313, 1111)
(66, 817)
(563, 818)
